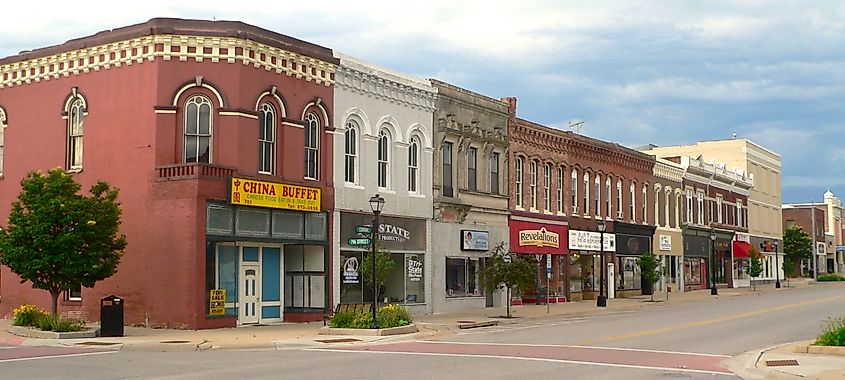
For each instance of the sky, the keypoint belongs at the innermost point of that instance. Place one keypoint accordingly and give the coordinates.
(635, 72)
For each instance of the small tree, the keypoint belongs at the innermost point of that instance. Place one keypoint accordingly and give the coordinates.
(755, 265)
(508, 270)
(797, 246)
(59, 239)
(384, 264)
(650, 269)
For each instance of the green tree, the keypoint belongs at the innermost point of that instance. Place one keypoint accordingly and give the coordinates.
(384, 264)
(755, 266)
(508, 270)
(59, 239)
(797, 246)
(650, 269)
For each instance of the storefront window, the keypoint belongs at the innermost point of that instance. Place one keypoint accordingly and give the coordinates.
(288, 225)
(219, 219)
(464, 277)
(583, 272)
(741, 269)
(251, 222)
(629, 274)
(692, 271)
(305, 276)
(227, 276)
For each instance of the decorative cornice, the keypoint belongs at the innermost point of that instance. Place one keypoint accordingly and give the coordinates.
(166, 47)
(364, 78)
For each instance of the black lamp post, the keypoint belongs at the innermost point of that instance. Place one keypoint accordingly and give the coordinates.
(777, 268)
(376, 204)
(713, 291)
(601, 301)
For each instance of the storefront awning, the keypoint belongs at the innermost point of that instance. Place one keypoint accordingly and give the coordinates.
(741, 249)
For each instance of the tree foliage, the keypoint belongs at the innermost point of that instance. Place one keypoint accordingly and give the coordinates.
(384, 264)
(797, 246)
(650, 269)
(508, 270)
(755, 265)
(59, 239)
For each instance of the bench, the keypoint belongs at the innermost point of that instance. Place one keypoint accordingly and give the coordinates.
(354, 308)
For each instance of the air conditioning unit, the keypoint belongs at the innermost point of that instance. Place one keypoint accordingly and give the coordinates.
(620, 215)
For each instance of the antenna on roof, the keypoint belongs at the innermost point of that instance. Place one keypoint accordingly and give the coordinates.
(577, 126)
(733, 135)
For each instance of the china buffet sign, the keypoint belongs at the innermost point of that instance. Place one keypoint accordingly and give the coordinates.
(274, 195)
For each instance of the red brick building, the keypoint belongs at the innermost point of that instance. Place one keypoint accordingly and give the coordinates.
(182, 116)
(566, 183)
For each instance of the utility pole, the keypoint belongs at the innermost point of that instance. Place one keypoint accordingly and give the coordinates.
(813, 223)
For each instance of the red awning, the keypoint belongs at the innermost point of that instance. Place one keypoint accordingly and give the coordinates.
(741, 249)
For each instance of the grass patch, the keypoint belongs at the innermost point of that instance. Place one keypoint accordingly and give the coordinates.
(830, 277)
(833, 334)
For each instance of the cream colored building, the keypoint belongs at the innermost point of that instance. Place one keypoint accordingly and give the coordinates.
(764, 200)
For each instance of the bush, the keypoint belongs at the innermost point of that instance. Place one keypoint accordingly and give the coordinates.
(830, 277)
(388, 316)
(833, 334)
(27, 315)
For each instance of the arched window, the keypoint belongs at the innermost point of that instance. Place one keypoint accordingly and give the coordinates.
(517, 171)
(414, 165)
(574, 191)
(645, 204)
(267, 139)
(533, 184)
(597, 196)
(607, 207)
(383, 159)
(619, 199)
(75, 115)
(312, 146)
(350, 151)
(560, 179)
(586, 193)
(198, 124)
(547, 187)
(633, 208)
(2, 136)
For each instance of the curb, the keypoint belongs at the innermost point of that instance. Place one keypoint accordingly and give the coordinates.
(409, 329)
(39, 334)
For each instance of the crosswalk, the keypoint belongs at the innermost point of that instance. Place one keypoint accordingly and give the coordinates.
(517, 325)
(24, 353)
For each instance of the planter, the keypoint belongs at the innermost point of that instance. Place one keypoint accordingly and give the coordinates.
(821, 350)
(409, 329)
(35, 333)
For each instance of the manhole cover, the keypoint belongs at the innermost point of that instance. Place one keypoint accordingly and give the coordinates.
(338, 340)
(175, 341)
(781, 363)
(96, 343)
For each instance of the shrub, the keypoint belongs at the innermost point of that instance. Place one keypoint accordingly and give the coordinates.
(830, 277)
(833, 334)
(342, 320)
(45, 322)
(393, 316)
(27, 315)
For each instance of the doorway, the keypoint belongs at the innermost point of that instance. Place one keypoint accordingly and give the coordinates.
(249, 297)
(250, 273)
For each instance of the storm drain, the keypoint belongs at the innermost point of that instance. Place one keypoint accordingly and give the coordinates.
(781, 363)
(96, 343)
(338, 340)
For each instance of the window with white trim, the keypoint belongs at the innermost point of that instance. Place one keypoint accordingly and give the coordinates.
(739, 219)
(619, 199)
(633, 206)
(266, 139)
(414, 165)
(517, 165)
(645, 204)
(350, 152)
(586, 193)
(75, 123)
(689, 206)
(700, 207)
(560, 190)
(448, 190)
(494, 173)
(597, 196)
(2, 136)
(383, 159)
(198, 127)
(608, 208)
(312, 146)
(719, 216)
(533, 184)
(547, 187)
(574, 191)
(472, 165)
(74, 293)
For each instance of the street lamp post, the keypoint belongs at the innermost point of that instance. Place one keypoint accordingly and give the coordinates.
(777, 268)
(713, 291)
(376, 204)
(601, 301)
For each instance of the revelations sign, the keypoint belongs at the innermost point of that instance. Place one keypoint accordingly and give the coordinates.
(274, 195)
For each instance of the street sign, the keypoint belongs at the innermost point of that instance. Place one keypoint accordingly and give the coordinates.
(360, 241)
(365, 229)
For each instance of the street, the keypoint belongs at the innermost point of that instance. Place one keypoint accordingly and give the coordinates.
(689, 340)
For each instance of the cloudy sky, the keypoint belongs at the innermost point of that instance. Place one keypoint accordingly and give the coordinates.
(636, 72)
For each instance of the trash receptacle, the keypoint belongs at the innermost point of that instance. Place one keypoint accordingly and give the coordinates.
(111, 316)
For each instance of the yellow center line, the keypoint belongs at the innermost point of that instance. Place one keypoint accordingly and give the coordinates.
(679, 326)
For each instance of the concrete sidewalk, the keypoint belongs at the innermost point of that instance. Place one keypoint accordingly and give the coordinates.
(297, 335)
(758, 364)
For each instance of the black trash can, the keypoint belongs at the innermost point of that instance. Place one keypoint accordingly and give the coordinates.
(111, 316)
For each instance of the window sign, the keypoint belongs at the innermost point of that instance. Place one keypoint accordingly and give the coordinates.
(350, 270)
(475, 240)
(665, 243)
(415, 269)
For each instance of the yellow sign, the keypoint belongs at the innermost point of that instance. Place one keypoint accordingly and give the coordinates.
(217, 302)
(275, 195)
(539, 238)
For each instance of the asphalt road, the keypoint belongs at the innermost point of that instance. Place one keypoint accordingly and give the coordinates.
(679, 341)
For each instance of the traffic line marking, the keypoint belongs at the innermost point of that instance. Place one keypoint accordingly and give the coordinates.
(56, 356)
(571, 346)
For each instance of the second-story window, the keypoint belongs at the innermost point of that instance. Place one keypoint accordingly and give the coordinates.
(645, 204)
(448, 190)
(607, 206)
(689, 206)
(547, 187)
(533, 184)
(350, 152)
(266, 139)
(586, 193)
(738, 221)
(719, 216)
(633, 205)
(597, 196)
(197, 130)
(517, 174)
(619, 199)
(383, 159)
(472, 164)
(700, 208)
(573, 189)
(312, 146)
(2, 136)
(494, 173)
(560, 190)
(413, 165)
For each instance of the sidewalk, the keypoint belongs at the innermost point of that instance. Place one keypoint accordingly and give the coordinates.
(297, 335)
(755, 364)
